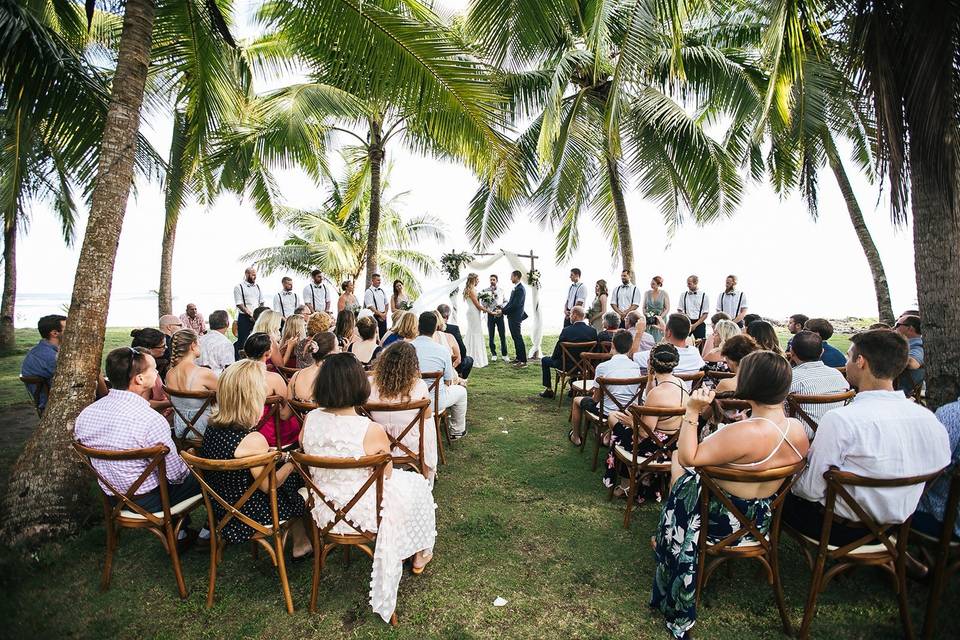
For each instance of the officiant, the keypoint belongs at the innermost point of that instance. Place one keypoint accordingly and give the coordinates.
(492, 298)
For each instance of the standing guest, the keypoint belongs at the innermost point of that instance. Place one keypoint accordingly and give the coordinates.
(576, 296)
(41, 360)
(216, 350)
(316, 295)
(732, 301)
(185, 375)
(577, 331)
(319, 322)
(257, 348)
(832, 357)
(611, 323)
(656, 304)
(346, 330)
(169, 324)
(618, 366)
(408, 524)
(735, 349)
(466, 361)
(155, 343)
(695, 304)
(599, 307)
(515, 314)
(931, 512)
(366, 348)
(193, 319)
(376, 300)
(247, 297)
(399, 299)
(910, 328)
(473, 346)
(676, 331)
(300, 387)
(495, 320)
(347, 300)
(626, 298)
(722, 331)
(880, 434)
(286, 301)
(436, 357)
(765, 335)
(123, 419)
(404, 329)
(294, 330)
(812, 377)
(794, 326)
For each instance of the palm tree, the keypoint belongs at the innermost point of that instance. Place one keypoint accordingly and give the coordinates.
(601, 86)
(334, 240)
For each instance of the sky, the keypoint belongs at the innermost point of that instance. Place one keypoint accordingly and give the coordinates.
(786, 262)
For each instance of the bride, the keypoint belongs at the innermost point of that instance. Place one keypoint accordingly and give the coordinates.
(474, 338)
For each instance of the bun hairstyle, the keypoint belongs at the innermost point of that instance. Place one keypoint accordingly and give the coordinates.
(658, 280)
(180, 345)
(664, 358)
(148, 338)
(322, 345)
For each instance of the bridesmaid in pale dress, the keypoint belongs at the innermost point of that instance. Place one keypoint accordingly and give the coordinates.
(656, 302)
(599, 306)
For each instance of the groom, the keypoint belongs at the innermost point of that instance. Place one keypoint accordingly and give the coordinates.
(513, 310)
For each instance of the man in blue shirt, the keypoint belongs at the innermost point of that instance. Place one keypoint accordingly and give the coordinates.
(832, 357)
(41, 360)
(931, 515)
(910, 328)
(433, 357)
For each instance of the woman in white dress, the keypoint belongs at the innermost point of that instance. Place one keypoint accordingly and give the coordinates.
(408, 519)
(474, 338)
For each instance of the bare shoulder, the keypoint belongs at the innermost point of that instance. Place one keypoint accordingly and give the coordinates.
(253, 443)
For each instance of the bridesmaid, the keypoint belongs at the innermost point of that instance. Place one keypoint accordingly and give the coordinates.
(347, 300)
(599, 306)
(656, 302)
(399, 299)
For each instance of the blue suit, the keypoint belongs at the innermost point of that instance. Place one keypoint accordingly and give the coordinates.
(513, 310)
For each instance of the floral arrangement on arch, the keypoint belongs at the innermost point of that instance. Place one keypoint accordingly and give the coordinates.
(533, 278)
(452, 262)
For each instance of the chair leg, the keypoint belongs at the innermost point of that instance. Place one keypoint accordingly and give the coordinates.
(175, 559)
(282, 570)
(613, 482)
(108, 562)
(441, 455)
(317, 564)
(816, 584)
(901, 570)
(778, 589)
(214, 557)
(598, 436)
(631, 497)
(346, 552)
(936, 592)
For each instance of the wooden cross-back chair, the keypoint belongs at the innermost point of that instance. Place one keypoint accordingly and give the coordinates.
(325, 539)
(717, 376)
(440, 418)
(796, 402)
(192, 437)
(405, 456)
(41, 387)
(695, 378)
(271, 537)
(941, 554)
(569, 365)
(747, 541)
(588, 371)
(656, 462)
(300, 409)
(273, 403)
(604, 346)
(884, 546)
(599, 420)
(287, 372)
(120, 511)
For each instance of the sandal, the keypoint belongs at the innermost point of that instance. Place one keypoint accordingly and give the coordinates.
(570, 438)
(418, 570)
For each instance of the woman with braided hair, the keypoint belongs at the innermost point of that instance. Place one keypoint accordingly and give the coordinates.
(186, 375)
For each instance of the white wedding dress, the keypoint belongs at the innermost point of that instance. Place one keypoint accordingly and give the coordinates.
(476, 348)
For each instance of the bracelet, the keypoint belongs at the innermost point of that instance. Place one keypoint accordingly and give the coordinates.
(689, 421)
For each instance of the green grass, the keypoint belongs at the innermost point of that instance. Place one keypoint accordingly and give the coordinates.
(520, 516)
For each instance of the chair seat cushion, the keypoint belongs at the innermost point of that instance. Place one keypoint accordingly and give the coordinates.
(583, 385)
(177, 509)
(627, 455)
(864, 550)
(591, 416)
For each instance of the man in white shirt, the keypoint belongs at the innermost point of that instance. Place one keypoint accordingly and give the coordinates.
(316, 295)
(432, 357)
(732, 301)
(881, 434)
(576, 296)
(625, 298)
(619, 366)
(247, 297)
(812, 377)
(286, 301)
(495, 321)
(375, 299)
(676, 331)
(216, 351)
(695, 304)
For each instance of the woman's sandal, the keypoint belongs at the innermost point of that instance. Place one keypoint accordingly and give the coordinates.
(418, 570)
(570, 438)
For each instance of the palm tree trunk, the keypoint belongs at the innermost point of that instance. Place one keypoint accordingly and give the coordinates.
(43, 498)
(623, 222)
(375, 152)
(166, 268)
(880, 286)
(7, 336)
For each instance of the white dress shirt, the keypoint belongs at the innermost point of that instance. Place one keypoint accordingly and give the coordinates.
(285, 302)
(248, 294)
(880, 434)
(619, 366)
(695, 304)
(813, 379)
(690, 362)
(577, 294)
(731, 302)
(376, 298)
(624, 296)
(216, 351)
(317, 296)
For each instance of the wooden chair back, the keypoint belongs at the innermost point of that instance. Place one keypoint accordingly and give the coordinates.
(300, 409)
(570, 353)
(604, 383)
(441, 418)
(795, 402)
(41, 387)
(274, 404)
(944, 548)
(589, 362)
(287, 372)
(406, 455)
(191, 437)
(604, 346)
(695, 378)
(717, 376)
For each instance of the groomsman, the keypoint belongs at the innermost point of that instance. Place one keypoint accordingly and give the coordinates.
(286, 301)
(515, 314)
(247, 297)
(576, 295)
(316, 295)
(732, 301)
(376, 300)
(495, 320)
(626, 298)
(695, 304)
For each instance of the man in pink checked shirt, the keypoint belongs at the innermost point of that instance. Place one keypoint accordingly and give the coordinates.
(193, 319)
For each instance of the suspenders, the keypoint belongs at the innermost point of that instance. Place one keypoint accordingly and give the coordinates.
(243, 295)
(313, 294)
(703, 298)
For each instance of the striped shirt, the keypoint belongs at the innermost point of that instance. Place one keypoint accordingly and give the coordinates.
(814, 379)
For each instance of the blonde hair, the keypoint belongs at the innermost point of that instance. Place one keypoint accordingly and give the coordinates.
(319, 322)
(180, 344)
(726, 329)
(394, 318)
(268, 323)
(241, 392)
(406, 328)
(294, 329)
(441, 323)
(472, 281)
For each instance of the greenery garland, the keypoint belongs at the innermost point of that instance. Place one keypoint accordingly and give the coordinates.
(452, 262)
(533, 278)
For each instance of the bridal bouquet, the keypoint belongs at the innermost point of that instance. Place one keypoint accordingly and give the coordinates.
(405, 305)
(487, 299)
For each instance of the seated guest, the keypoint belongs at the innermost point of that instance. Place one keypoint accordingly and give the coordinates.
(185, 375)
(366, 348)
(404, 329)
(735, 349)
(910, 328)
(708, 344)
(390, 336)
(611, 324)
(257, 348)
(232, 435)
(750, 318)
(294, 330)
(319, 322)
(434, 357)
(408, 525)
(812, 377)
(303, 311)
(765, 335)
(832, 357)
(396, 379)
(618, 366)
(41, 360)
(213, 353)
(465, 366)
(193, 319)
(269, 323)
(346, 330)
(677, 331)
(722, 331)
(259, 311)
(880, 434)
(767, 440)
(930, 514)
(123, 419)
(156, 345)
(442, 337)
(300, 387)
(577, 331)
(794, 326)
(169, 325)
(635, 323)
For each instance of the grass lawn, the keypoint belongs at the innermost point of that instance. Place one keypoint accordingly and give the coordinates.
(520, 516)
